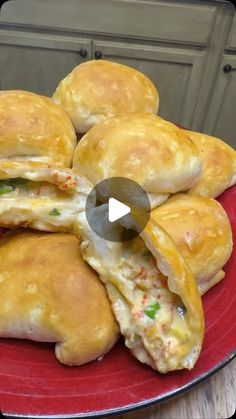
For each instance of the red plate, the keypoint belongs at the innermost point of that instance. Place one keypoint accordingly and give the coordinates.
(33, 383)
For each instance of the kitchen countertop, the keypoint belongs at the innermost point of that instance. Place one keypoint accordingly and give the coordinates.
(214, 398)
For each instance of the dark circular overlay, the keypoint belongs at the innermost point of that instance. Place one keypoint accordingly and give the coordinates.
(127, 192)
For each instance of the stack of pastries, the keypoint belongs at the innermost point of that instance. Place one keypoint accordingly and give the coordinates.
(59, 281)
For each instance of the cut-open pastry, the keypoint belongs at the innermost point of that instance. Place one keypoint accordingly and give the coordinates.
(100, 89)
(202, 233)
(153, 293)
(219, 165)
(151, 151)
(40, 196)
(49, 294)
(37, 140)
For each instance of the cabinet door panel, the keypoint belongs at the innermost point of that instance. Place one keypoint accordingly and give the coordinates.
(176, 73)
(231, 44)
(221, 119)
(38, 63)
(173, 21)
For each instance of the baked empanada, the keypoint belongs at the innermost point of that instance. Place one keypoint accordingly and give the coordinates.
(99, 89)
(33, 128)
(202, 233)
(156, 154)
(37, 141)
(49, 294)
(153, 293)
(219, 165)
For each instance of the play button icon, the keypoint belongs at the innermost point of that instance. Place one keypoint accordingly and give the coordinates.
(117, 209)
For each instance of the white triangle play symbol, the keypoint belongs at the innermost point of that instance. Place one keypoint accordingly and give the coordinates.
(116, 210)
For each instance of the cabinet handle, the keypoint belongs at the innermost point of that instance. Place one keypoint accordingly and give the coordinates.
(98, 55)
(228, 68)
(83, 52)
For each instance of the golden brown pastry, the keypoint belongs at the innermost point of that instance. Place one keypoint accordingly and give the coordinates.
(153, 293)
(202, 233)
(37, 141)
(49, 294)
(33, 128)
(219, 165)
(97, 90)
(153, 152)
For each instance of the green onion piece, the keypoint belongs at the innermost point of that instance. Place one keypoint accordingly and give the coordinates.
(5, 189)
(152, 309)
(55, 212)
(13, 183)
(17, 181)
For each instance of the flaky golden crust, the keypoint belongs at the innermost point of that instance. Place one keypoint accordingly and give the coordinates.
(202, 233)
(147, 340)
(156, 154)
(33, 127)
(48, 293)
(97, 90)
(181, 282)
(219, 165)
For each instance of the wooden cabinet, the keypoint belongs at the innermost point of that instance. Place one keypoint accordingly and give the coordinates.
(221, 118)
(174, 21)
(178, 44)
(37, 62)
(175, 72)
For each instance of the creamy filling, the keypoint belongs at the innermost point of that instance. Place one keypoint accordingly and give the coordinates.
(19, 187)
(157, 313)
(39, 204)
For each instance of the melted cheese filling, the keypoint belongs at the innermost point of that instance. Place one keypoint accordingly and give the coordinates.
(38, 204)
(157, 313)
(32, 189)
